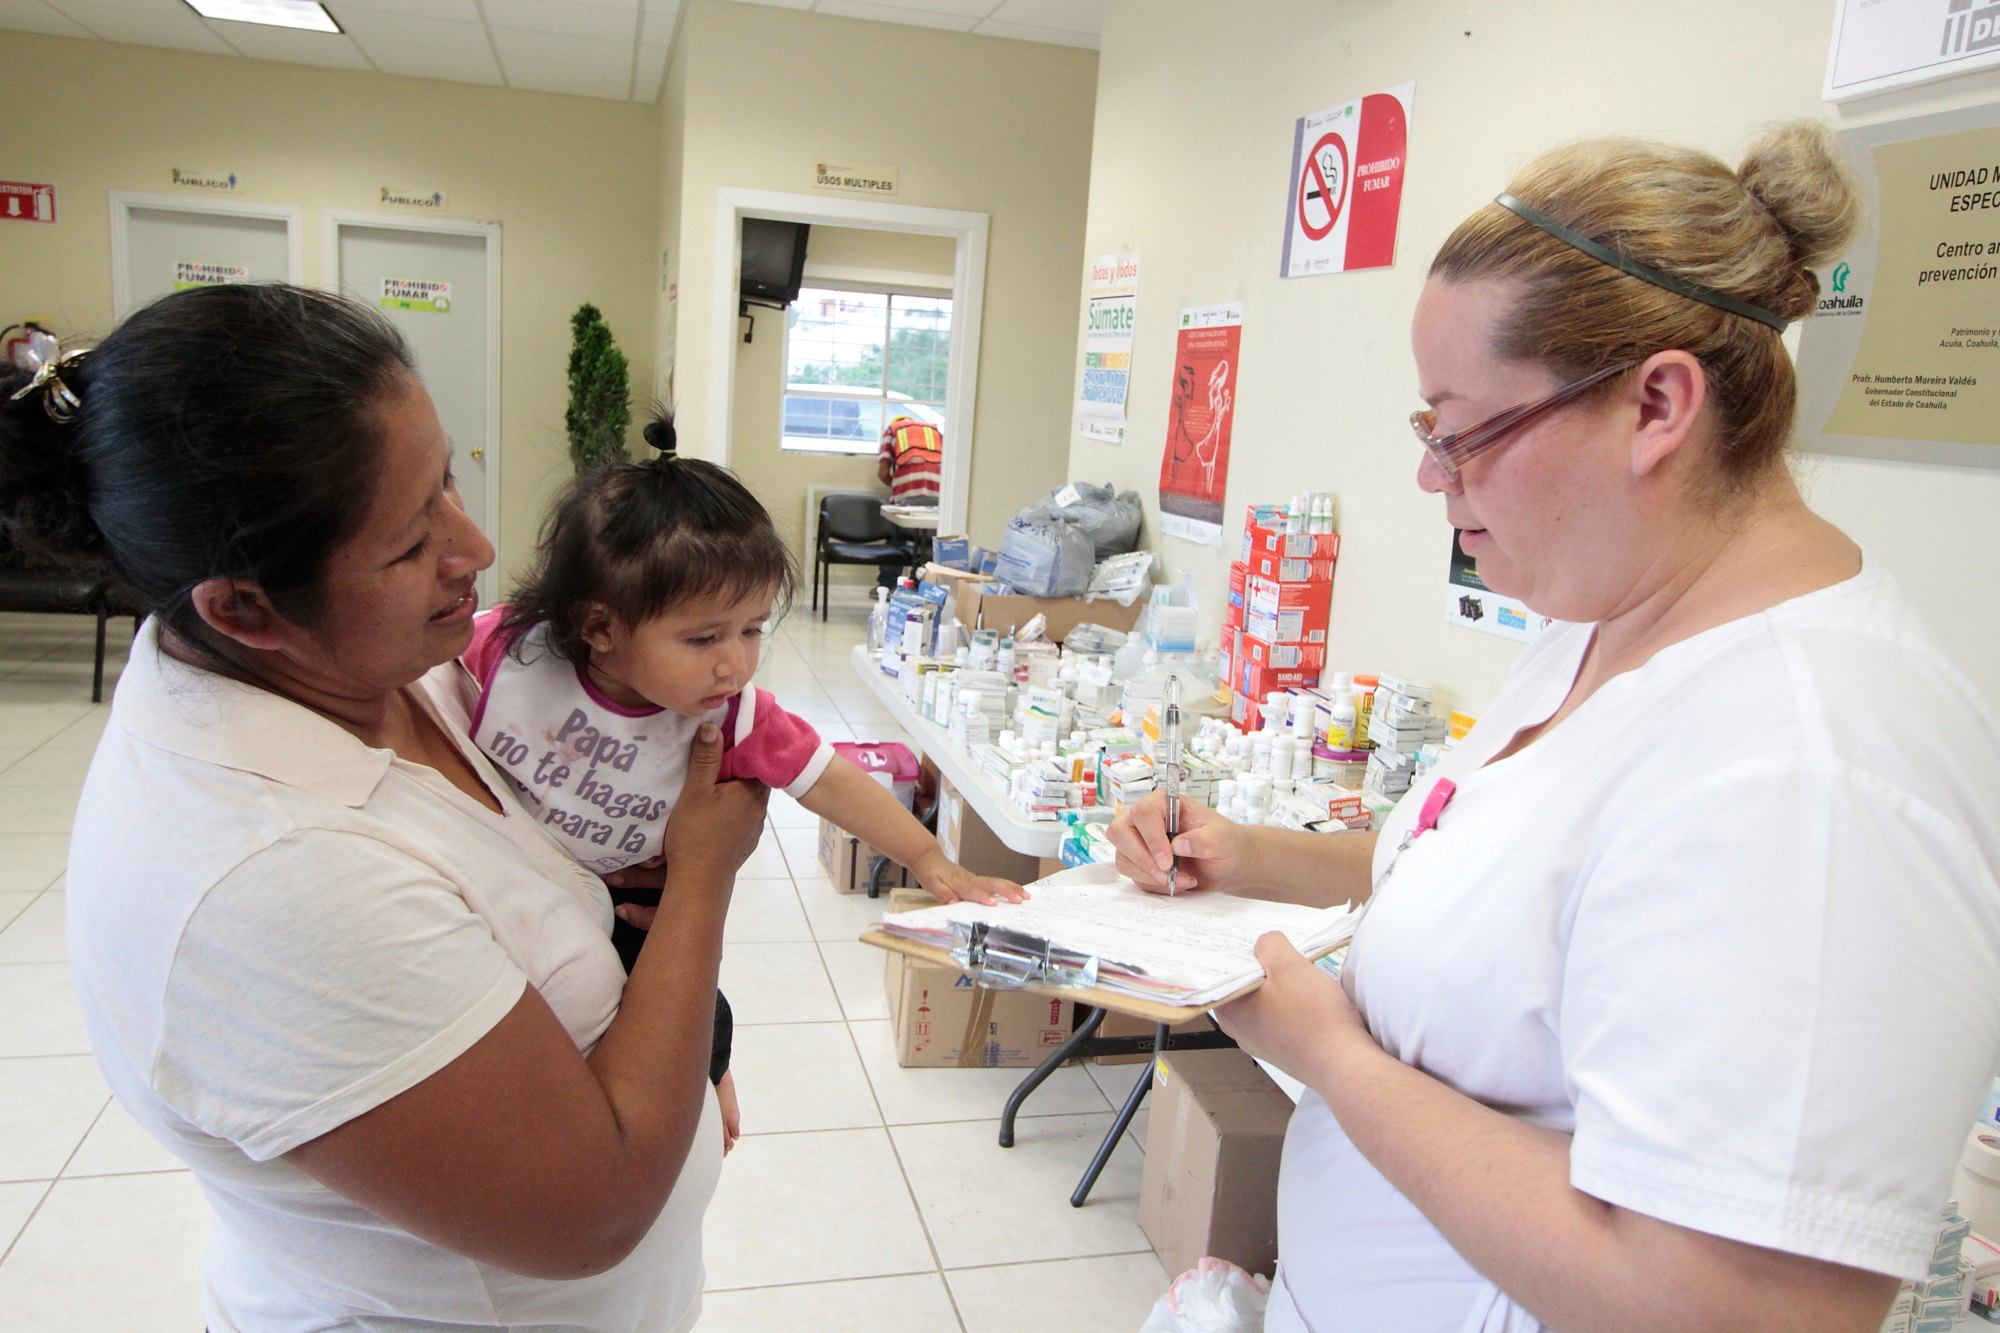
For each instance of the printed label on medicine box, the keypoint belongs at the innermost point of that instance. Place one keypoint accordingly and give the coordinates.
(1280, 570)
(1261, 540)
(1283, 656)
(1257, 681)
(1268, 596)
(1282, 627)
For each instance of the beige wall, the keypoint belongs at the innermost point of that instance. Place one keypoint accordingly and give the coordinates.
(974, 123)
(573, 182)
(1193, 149)
(779, 477)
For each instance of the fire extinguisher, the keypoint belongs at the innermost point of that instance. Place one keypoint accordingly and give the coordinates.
(30, 346)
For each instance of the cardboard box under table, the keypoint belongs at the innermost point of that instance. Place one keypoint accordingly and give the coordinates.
(1210, 1184)
(970, 841)
(942, 1020)
(923, 986)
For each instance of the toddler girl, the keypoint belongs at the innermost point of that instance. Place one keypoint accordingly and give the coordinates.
(640, 621)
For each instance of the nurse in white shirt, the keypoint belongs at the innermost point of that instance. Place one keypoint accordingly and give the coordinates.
(1674, 996)
(325, 955)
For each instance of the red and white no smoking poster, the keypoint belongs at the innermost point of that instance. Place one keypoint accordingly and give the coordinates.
(1194, 471)
(1346, 187)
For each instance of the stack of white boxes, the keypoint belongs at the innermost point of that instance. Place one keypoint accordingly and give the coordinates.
(1400, 723)
(1933, 1304)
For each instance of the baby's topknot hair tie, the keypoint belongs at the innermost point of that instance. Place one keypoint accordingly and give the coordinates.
(660, 434)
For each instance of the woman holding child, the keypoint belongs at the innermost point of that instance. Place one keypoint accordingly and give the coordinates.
(326, 954)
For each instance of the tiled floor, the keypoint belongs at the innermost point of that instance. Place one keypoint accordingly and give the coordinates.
(863, 1196)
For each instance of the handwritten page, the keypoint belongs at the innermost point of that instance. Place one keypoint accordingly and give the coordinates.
(1184, 949)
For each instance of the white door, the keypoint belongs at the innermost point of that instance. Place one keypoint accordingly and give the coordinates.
(436, 287)
(161, 245)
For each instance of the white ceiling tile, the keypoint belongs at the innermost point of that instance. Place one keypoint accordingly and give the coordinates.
(662, 6)
(34, 16)
(449, 11)
(1026, 33)
(261, 41)
(657, 25)
(422, 47)
(600, 23)
(652, 73)
(1062, 15)
(174, 26)
(555, 48)
(858, 9)
(780, 4)
(964, 9)
(558, 77)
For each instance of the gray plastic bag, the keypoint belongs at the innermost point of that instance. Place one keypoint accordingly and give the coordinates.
(1045, 557)
(1111, 520)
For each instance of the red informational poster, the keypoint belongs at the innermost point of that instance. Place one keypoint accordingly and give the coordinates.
(1346, 189)
(26, 201)
(1194, 470)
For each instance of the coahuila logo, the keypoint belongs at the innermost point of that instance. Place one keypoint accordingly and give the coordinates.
(1841, 302)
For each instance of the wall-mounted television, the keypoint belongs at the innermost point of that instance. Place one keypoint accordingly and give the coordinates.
(774, 261)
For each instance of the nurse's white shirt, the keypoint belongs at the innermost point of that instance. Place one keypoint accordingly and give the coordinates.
(1733, 923)
(275, 928)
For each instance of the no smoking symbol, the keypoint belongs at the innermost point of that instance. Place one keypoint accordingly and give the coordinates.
(1323, 187)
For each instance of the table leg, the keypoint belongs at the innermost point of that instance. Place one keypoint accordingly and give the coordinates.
(1119, 1124)
(1085, 1026)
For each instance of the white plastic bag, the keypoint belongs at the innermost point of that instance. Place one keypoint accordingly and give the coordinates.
(1215, 1296)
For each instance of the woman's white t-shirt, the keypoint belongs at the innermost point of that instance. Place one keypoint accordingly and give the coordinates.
(1733, 924)
(274, 928)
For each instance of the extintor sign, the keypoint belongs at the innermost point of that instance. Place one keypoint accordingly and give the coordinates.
(26, 201)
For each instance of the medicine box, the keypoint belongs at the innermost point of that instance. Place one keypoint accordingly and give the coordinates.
(1282, 656)
(1286, 627)
(952, 552)
(1256, 681)
(1264, 539)
(1280, 570)
(1264, 597)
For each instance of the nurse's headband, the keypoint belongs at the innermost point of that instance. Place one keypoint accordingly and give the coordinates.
(1604, 254)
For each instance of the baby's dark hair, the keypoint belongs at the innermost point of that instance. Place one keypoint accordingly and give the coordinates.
(638, 538)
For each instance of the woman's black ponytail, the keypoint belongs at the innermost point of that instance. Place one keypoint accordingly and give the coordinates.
(44, 495)
(218, 432)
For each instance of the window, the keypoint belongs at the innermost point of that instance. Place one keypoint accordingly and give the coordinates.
(856, 360)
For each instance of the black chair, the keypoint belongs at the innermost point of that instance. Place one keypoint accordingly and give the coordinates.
(852, 531)
(27, 587)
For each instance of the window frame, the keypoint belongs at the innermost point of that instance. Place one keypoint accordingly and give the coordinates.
(869, 447)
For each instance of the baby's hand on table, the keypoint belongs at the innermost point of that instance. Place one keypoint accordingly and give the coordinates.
(948, 882)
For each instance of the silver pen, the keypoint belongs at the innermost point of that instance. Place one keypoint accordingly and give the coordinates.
(1170, 746)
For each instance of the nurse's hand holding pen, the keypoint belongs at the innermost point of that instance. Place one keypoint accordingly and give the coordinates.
(1214, 852)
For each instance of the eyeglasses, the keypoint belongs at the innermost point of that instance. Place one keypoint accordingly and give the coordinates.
(1454, 451)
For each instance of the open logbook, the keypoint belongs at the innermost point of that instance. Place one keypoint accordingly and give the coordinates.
(1092, 930)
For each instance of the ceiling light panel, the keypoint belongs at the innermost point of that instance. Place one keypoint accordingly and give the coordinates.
(305, 14)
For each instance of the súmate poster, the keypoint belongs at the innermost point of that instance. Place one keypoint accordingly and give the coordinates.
(1194, 470)
(1107, 346)
(1345, 194)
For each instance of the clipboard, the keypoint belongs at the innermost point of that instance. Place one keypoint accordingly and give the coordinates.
(1153, 1011)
